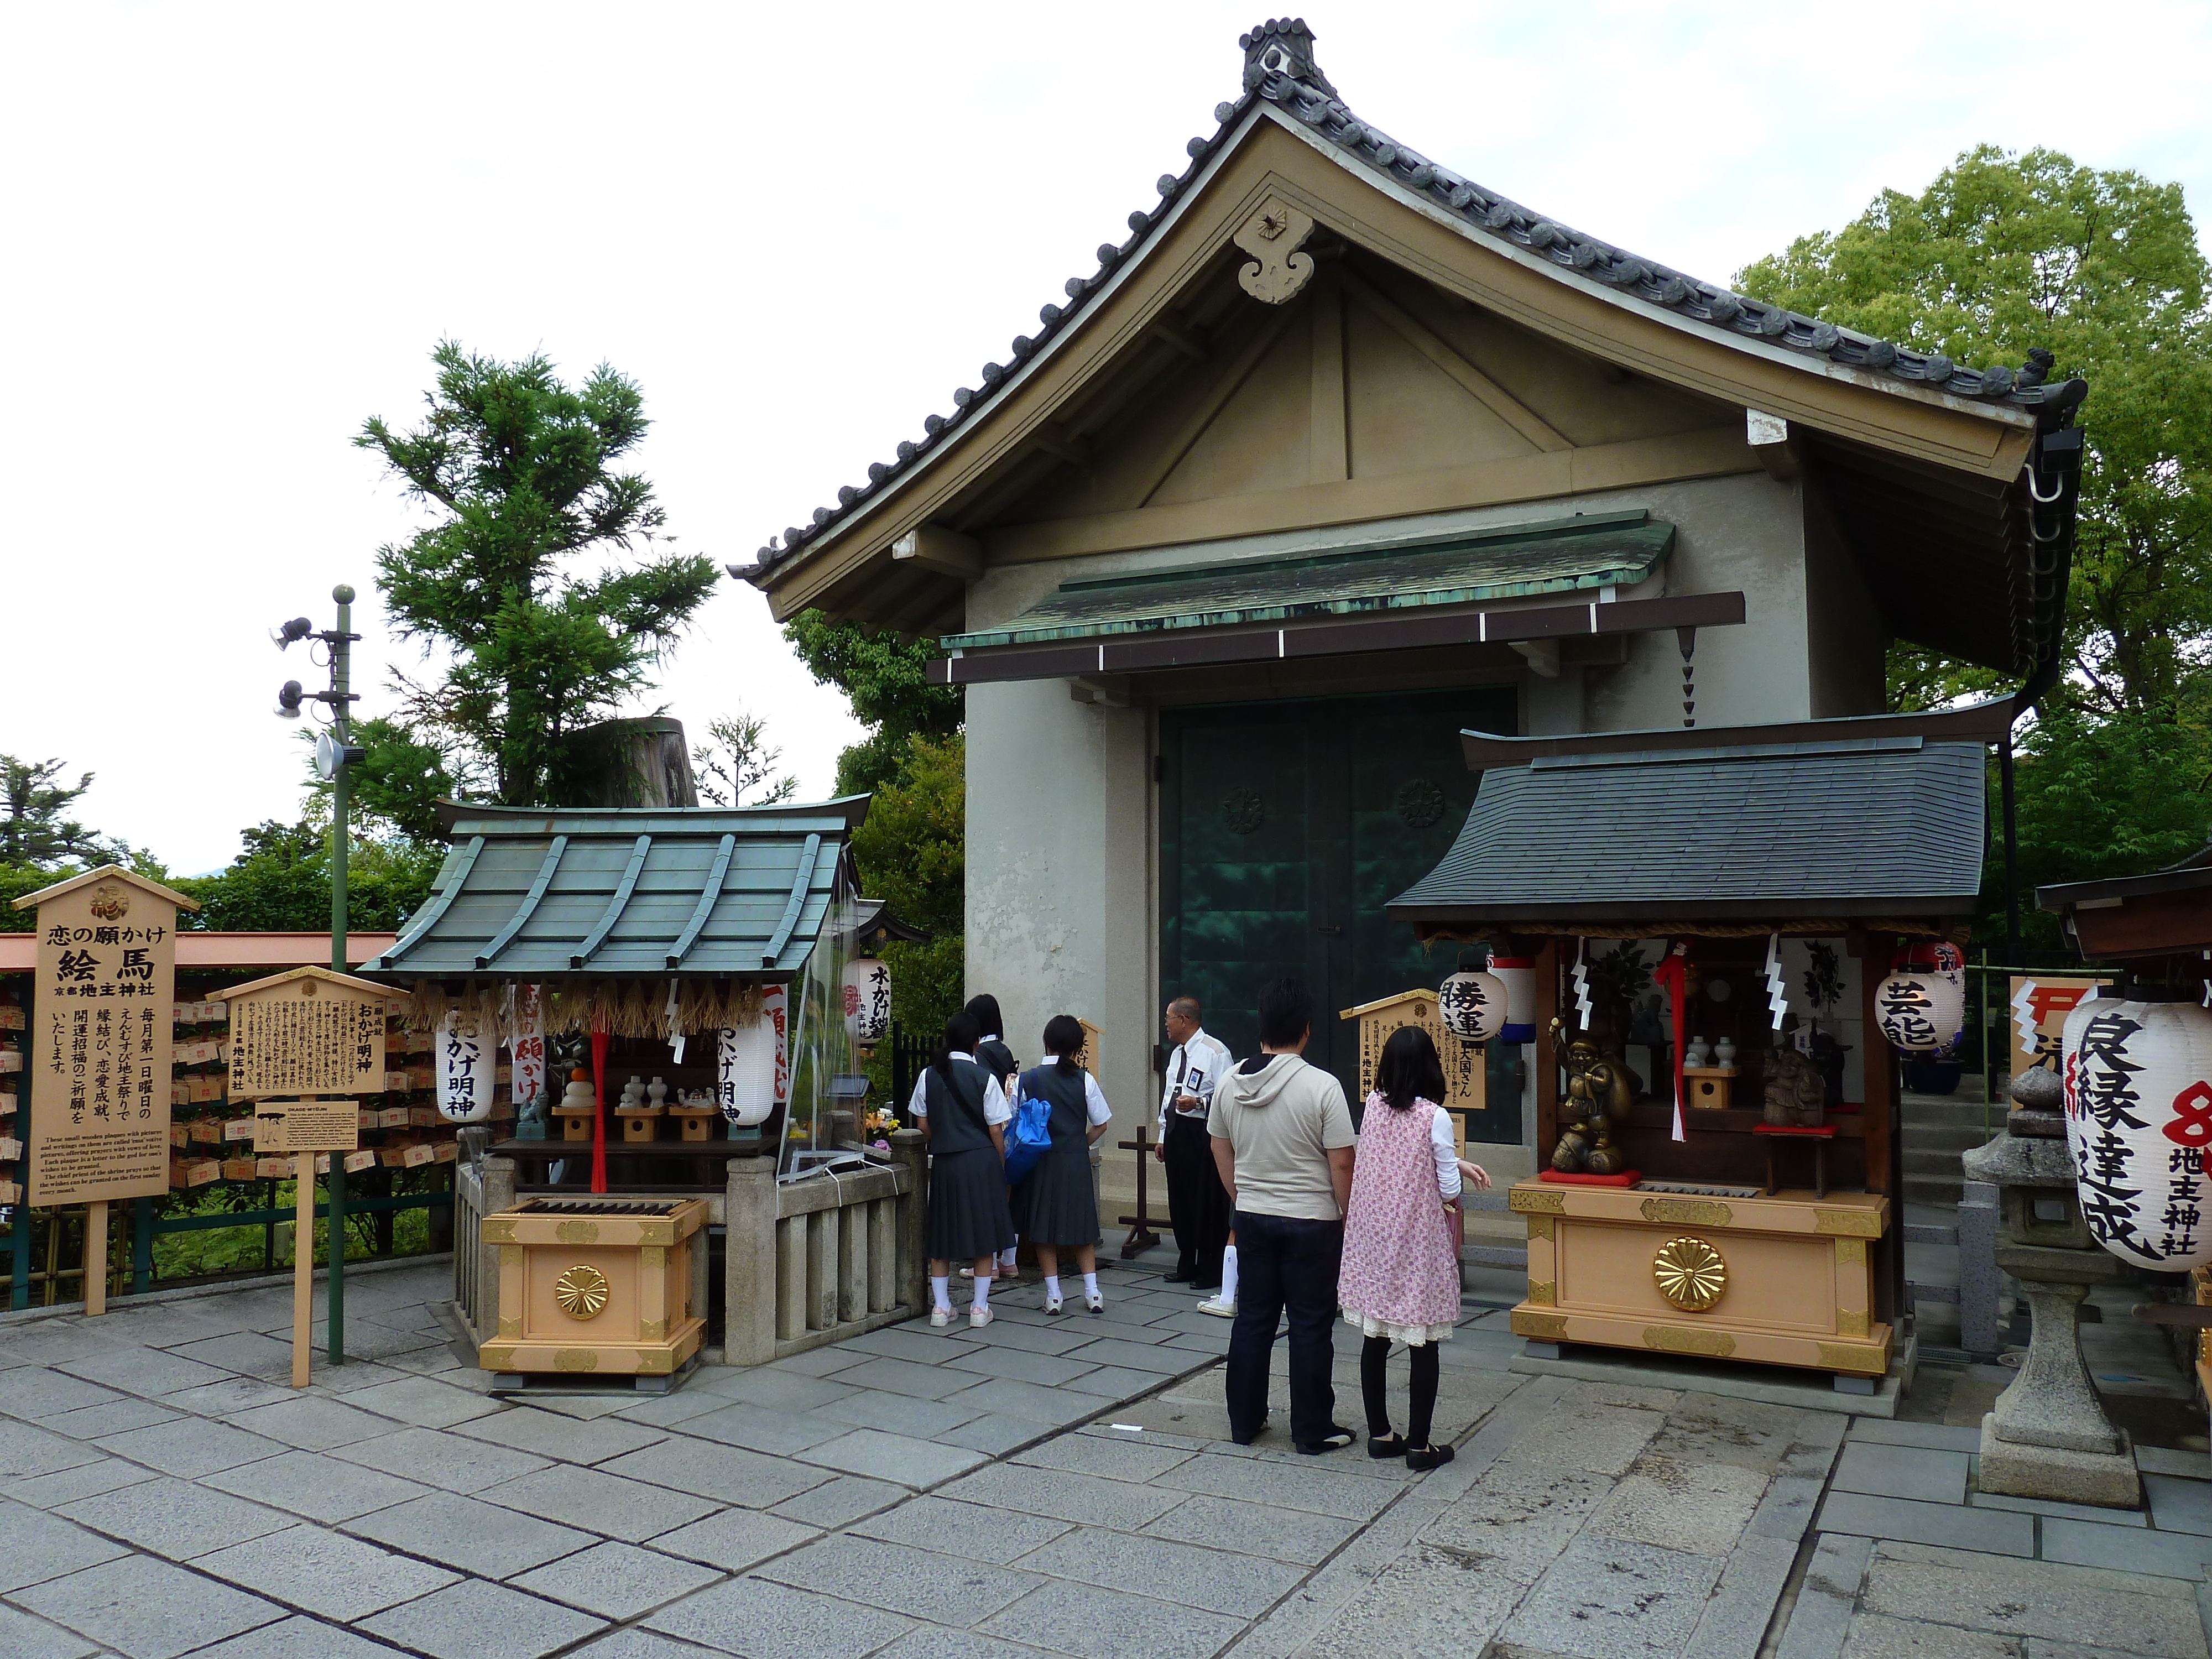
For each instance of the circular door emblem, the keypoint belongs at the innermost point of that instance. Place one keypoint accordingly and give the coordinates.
(1419, 803)
(1243, 810)
(582, 1292)
(1690, 1274)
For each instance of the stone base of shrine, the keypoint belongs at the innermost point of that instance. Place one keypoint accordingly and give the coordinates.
(2107, 1480)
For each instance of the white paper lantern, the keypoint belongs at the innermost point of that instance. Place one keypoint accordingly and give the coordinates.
(867, 1000)
(1473, 1006)
(752, 1070)
(1921, 1010)
(467, 1069)
(1519, 976)
(2137, 1078)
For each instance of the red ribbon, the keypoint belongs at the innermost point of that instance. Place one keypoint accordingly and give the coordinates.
(599, 1111)
(1672, 973)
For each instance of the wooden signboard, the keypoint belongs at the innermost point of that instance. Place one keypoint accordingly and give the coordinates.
(99, 1050)
(2040, 1003)
(1466, 1079)
(309, 1031)
(303, 1128)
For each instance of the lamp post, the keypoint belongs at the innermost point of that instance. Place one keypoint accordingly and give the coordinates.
(334, 754)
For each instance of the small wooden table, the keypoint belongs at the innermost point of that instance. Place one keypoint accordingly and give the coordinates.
(1819, 1135)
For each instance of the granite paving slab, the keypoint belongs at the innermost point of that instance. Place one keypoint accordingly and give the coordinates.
(616, 1581)
(22, 1637)
(298, 1637)
(116, 1416)
(728, 1474)
(761, 1385)
(895, 1413)
(245, 1352)
(190, 1446)
(779, 1622)
(2179, 1505)
(1092, 1623)
(1085, 1498)
(733, 1539)
(1674, 1503)
(176, 1518)
(324, 1572)
(926, 1381)
(2126, 1549)
(36, 1391)
(1309, 1484)
(421, 1401)
(1995, 1532)
(147, 1608)
(881, 1456)
(765, 1429)
(993, 1433)
(473, 1619)
(47, 1491)
(324, 1489)
(841, 1501)
(27, 1451)
(147, 1371)
(35, 1546)
(549, 1434)
(957, 1589)
(951, 1526)
(1915, 1472)
(1300, 1536)
(1117, 1457)
(310, 1424)
(2081, 1605)
(1608, 1598)
(1054, 1408)
(466, 1533)
(1188, 1574)
(451, 1462)
(233, 1394)
(592, 1500)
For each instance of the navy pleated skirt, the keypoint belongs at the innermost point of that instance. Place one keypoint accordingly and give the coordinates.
(968, 1213)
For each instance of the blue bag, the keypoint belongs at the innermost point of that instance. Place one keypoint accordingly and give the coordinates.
(1028, 1137)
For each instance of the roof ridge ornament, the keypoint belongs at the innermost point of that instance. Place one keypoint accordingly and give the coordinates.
(1282, 46)
(1272, 236)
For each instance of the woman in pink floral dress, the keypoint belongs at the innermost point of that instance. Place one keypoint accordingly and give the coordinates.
(1399, 1281)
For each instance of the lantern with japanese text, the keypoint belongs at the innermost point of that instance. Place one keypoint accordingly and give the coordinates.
(1518, 974)
(2137, 1083)
(867, 1000)
(1471, 1005)
(467, 1064)
(1922, 1006)
(752, 1071)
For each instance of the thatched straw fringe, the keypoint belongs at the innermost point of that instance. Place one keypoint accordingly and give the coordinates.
(623, 1007)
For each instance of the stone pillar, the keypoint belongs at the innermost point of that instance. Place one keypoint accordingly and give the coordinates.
(498, 1175)
(749, 1262)
(2049, 1437)
(911, 1148)
(1981, 1285)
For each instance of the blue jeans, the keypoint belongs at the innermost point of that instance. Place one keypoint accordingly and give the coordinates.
(1284, 1265)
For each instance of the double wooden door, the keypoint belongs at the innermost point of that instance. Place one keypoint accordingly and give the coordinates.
(1285, 828)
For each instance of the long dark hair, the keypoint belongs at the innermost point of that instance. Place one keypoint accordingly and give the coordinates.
(983, 1009)
(1063, 1036)
(961, 1036)
(1409, 1070)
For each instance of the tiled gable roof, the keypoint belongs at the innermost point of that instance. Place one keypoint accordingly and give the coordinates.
(1279, 69)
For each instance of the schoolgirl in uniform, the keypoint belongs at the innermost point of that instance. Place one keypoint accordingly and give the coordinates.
(960, 1109)
(1054, 1208)
(994, 1057)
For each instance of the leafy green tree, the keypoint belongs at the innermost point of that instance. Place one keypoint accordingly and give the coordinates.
(912, 852)
(280, 881)
(885, 676)
(396, 785)
(35, 831)
(2003, 253)
(738, 762)
(520, 470)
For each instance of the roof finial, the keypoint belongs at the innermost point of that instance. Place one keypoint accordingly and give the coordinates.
(1282, 46)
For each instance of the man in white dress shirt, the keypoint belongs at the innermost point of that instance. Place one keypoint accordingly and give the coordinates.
(1198, 1204)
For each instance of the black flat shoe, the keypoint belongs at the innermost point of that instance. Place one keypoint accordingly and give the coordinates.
(1335, 1440)
(1429, 1457)
(1386, 1445)
(1178, 1278)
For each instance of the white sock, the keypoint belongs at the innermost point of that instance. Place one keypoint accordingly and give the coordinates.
(982, 1289)
(1052, 1287)
(1091, 1283)
(1006, 1256)
(1229, 1274)
(940, 1289)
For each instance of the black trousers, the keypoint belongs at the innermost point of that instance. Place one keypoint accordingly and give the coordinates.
(1198, 1205)
(1284, 1265)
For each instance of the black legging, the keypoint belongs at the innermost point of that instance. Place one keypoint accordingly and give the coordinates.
(1374, 1355)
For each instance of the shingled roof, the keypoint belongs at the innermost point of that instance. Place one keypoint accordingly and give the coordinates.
(1279, 71)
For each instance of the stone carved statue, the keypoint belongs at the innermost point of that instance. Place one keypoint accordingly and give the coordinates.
(1600, 1091)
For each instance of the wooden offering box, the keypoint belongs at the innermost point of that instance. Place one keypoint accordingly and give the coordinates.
(596, 1284)
(1783, 1281)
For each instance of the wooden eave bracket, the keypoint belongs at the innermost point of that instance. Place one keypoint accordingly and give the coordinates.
(949, 553)
(1769, 439)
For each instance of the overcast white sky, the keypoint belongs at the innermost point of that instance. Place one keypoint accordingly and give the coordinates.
(234, 232)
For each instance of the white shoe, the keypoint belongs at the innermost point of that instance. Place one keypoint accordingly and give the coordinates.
(1095, 1302)
(1052, 1305)
(940, 1318)
(1220, 1307)
(979, 1317)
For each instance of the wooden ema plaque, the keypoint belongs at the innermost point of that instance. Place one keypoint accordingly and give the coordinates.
(1466, 1081)
(595, 1285)
(308, 1031)
(1783, 1281)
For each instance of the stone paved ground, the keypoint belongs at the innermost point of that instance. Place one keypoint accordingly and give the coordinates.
(1055, 1486)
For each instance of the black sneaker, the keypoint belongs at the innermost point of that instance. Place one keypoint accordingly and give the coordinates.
(1428, 1457)
(1336, 1439)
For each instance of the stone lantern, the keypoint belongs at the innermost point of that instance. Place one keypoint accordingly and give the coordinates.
(2049, 1437)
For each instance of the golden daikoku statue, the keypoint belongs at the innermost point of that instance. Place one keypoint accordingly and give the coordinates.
(1598, 1095)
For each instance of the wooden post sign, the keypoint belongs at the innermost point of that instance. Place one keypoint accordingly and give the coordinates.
(99, 1054)
(307, 1032)
(1466, 1079)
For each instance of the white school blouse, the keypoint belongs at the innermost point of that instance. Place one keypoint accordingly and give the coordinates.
(995, 1109)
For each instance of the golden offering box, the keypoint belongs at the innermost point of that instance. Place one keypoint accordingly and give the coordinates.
(595, 1285)
(1781, 1280)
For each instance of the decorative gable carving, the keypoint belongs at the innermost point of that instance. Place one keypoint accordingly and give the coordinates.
(1272, 236)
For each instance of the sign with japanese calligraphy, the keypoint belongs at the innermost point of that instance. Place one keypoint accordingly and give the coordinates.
(308, 1031)
(307, 1126)
(2039, 1007)
(468, 1065)
(2137, 1084)
(527, 1045)
(99, 1049)
(752, 1063)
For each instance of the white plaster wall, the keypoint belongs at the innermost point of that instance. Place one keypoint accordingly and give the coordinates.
(1060, 913)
